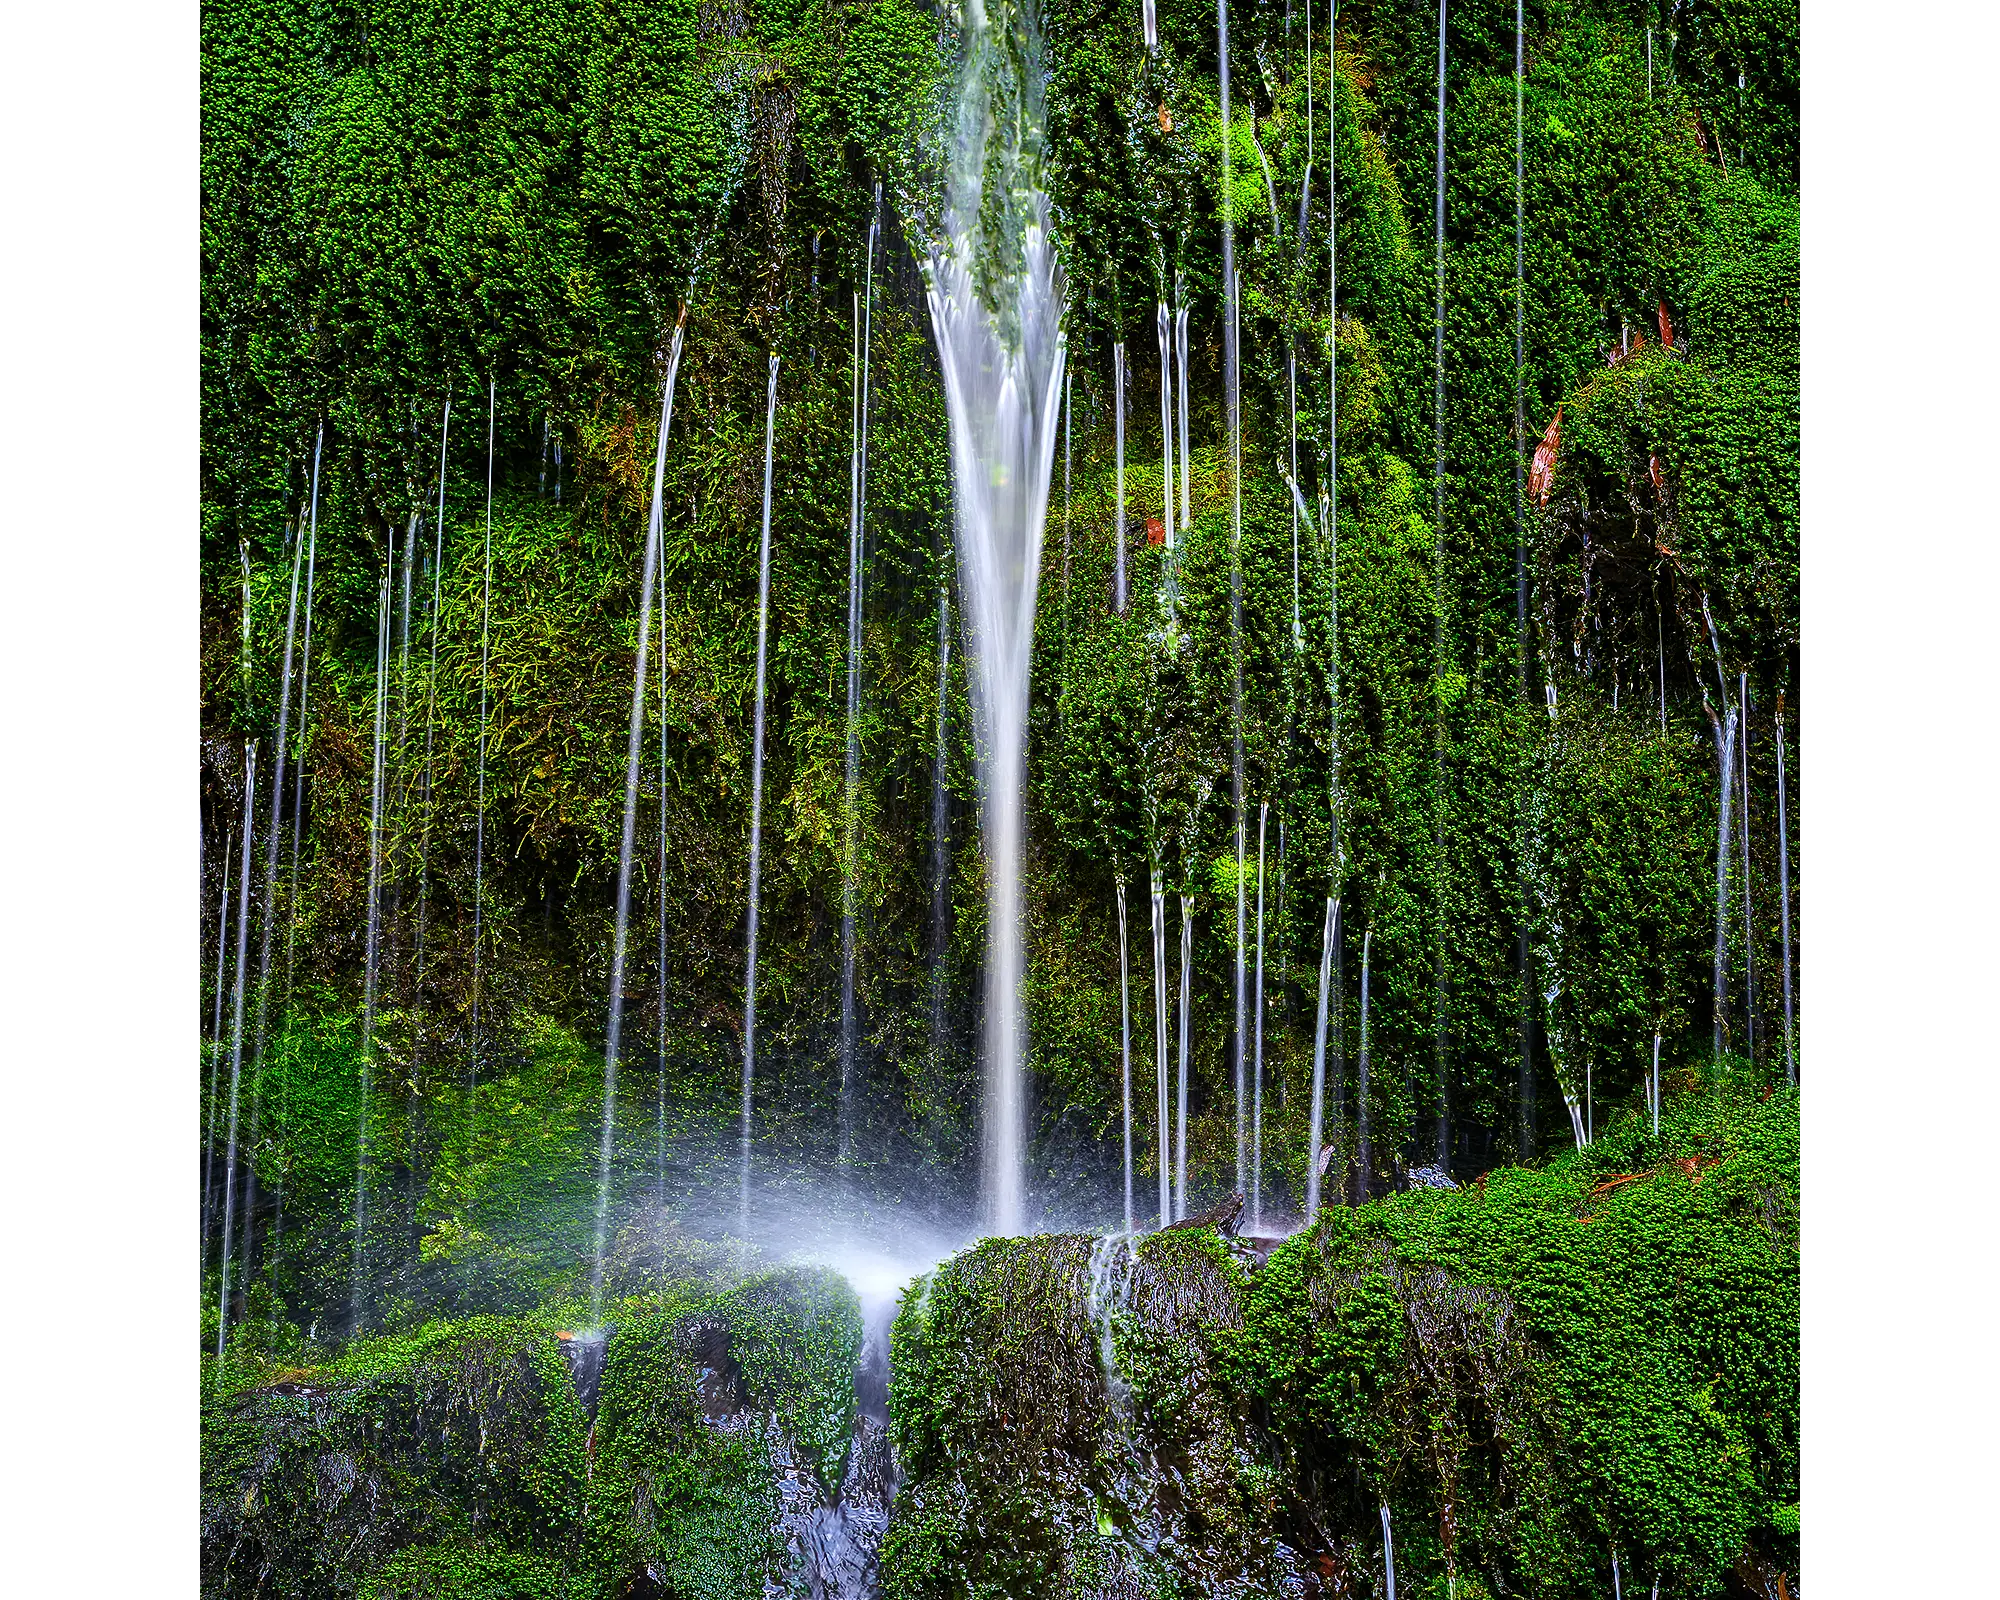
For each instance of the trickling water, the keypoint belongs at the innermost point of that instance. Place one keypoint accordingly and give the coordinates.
(1125, 1049)
(1725, 753)
(1160, 1041)
(383, 603)
(1165, 329)
(1656, 1086)
(236, 1041)
(1785, 896)
(1327, 936)
(1118, 493)
(430, 719)
(1187, 1017)
(1151, 21)
(1187, 461)
(940, 814)
(1292, 425)
(479, 822)
(1231, 380)
(660, 990)
(1364, 1152)
(615, 1010)
(215, 1050)
(857, 514)
(996, 301)
(756, 811)
(1438, 631)
(1257, 1089)
(1743, 832)
(1388, 1552)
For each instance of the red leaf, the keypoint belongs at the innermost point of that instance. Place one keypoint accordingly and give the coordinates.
(1542, 470)
(1666, 326)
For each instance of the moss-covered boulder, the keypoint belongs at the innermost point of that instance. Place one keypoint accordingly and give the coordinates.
(460, 1463)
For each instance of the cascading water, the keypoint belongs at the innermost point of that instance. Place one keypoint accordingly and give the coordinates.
(996, 302)
(1656, 1086)
(1388, 1552)
(635, 732)
(1438, 637)
(1257, 1088)
(1125, 1048)
(660, 989)
(857, 514)
(1187, 461)
(1327, 937)
(1232, 357)
(1187, 1015)
(756, 813)
(1164, 327)
(1159, 889)
(430, 729)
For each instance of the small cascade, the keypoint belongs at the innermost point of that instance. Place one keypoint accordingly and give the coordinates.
(373, 949)
(1364, 1152)
(1125, 1048)
(756, 811)
(1150, 19)
(479, 823)
(1118, 578)
(857, 515)
(1743, 838)
(1187, 1020)
(996, 302)
(1313, 1149)
(1161, 1121)
(1107, 1297)
(1292, 425)
(215, 1051)
(1656, 1086)
(1257, 1070)
(236, 1041)
(1388, 1551)
(1617, 1587)
(1725, 754)
(1785, 896)
(1187, 460)
(635, 733)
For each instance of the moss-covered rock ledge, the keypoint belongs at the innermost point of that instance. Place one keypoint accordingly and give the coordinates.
(1522, 1381)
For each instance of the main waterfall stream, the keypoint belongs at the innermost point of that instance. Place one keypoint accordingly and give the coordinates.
(996, 301)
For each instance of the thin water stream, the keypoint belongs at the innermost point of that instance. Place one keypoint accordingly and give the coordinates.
(756, 812)
(1160, 1011)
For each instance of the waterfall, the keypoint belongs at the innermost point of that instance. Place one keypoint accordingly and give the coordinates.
(634, 737)
(373, 947)
(1125, 1049)
(1743, 830)
(1187, 461)
(236, 1041)
(996, 301)
(1160, 1008)
(756, 811)
(1118, 579)
(1327, 937)
(1187, 1017)
(940, 814)
(479, 823)
(1150, 19)
(1785, 895)
(215, 1051)
(857, 513)
(1292, 425)
(1388, 1552)
(1725, 752)
(1364, 1152)
(1617, 1588)
(1257, 1074)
